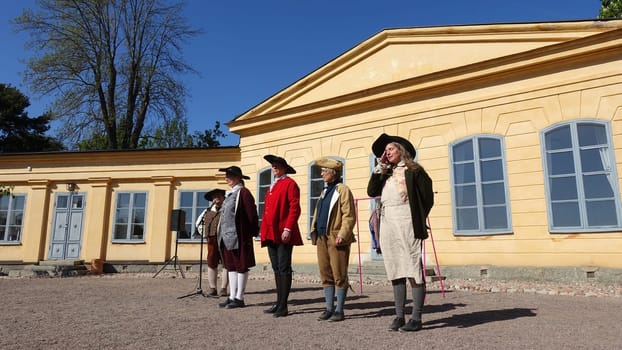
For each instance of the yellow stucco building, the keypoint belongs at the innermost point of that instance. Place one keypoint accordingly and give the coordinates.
(519, 126)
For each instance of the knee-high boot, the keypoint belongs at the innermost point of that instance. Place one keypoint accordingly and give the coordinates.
(414, 324)
(275, 306)
(286, 285)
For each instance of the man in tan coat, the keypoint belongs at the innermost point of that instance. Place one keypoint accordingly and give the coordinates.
(332, 231)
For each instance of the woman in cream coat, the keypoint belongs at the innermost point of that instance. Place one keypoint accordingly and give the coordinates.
(407, 198)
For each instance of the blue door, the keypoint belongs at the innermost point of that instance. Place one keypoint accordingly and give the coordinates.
(67, 226)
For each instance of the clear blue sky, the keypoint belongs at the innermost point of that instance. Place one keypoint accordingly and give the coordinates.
(253, 49)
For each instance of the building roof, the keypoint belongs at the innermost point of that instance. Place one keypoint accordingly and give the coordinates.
(415, 63)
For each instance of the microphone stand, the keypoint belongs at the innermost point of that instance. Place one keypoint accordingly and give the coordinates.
(199, 290)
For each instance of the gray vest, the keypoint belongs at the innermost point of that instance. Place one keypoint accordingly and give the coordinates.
(226, 230)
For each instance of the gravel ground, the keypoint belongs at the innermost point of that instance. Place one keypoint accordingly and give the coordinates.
(136, 311)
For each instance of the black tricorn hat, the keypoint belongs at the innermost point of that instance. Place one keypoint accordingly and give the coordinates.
(276, 159)
(209, 195)
(235, 170)
(383, 140)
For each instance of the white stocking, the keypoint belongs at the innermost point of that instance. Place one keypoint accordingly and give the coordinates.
(211, 277)
(233, 284)
(242, 278)
(224, 280)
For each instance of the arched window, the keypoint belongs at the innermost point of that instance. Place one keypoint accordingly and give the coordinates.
(580, 177)
(265, 178)
(480, 196)
(316, 185)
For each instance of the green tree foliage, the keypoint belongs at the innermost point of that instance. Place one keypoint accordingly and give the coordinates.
(175, 135)
(610, 9)
(18, 132)
(96, 140)
(170, 135)
(113, 65)
(208, 138)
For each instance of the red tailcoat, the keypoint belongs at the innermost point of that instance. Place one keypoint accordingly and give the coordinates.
(281, 210)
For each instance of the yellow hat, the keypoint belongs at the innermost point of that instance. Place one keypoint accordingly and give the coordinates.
(330, 163)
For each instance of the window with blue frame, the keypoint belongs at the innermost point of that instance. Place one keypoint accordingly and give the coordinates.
(129, 221)
(11, 218)
(581, 180)
(192, 203)
(265, 177)
(480, 195)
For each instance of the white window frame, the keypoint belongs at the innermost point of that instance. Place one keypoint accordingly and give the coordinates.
(11, 218)
(128, 237)
(191, 213)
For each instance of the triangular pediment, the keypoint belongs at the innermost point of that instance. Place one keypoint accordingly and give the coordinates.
(401, 55)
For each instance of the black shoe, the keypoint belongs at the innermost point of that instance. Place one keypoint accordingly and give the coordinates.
(325, 315)
(411, 326)
(272, 309)
(282, 312)
(336, 317)
(212, 293)
(396, 324)
(225, 303)
(236, 303)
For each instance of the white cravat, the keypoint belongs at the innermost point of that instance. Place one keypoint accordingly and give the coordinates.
(277, 179)
(233, 189)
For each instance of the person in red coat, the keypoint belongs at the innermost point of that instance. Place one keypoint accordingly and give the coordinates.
(279, 229)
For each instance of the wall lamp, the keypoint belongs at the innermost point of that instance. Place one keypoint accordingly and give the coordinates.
(71, 186)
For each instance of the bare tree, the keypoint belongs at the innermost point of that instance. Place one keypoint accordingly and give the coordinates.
(114, 65)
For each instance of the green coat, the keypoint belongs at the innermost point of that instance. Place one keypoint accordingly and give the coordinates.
(420, 196)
